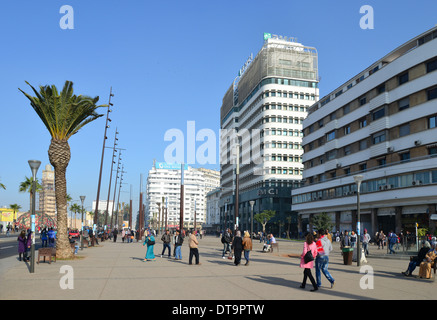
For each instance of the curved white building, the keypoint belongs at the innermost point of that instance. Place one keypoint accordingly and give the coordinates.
(380, 124)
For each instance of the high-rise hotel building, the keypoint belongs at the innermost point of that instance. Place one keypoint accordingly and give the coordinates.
(163, 186)
(380, 124)
(261, 120)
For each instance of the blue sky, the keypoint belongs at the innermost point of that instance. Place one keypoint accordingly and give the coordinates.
(168, 62)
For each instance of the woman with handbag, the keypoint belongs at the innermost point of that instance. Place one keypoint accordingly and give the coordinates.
(150, 242)
(307, 261)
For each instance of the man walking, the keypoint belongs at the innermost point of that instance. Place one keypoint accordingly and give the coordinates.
(324, 247)
(178, 244)
(166, 239)
(194, 249)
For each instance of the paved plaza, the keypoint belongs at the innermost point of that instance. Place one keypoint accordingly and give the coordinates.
(117, 271)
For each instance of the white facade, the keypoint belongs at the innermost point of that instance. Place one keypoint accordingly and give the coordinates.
(166, 183)
(213, 209)
(380, 124)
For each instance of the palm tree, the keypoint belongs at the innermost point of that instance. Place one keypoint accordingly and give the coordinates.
(63, 114)
(26, 186)
(74, 208)
(15, 207)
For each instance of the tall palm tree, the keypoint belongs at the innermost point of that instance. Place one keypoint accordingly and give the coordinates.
(63, 114)
(26, 186)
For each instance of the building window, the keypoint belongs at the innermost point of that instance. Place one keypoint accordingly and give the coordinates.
(331, 155)
(432, 121)
(405, 156)
(363, 101)
(432, 151)
(363, 167)
(378, 114)
(431, 66)
(347, 171)
(403, 78)
(404, 130)
(363, 144)
(347, 150)
(346, 109)
(330, 135)
(382, 162)
(320, 123)
(379, 137)
(404, 103)
(381, 88)
(347, 130)
(432, 93)
(363, 122)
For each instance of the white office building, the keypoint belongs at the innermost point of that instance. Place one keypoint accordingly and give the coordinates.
(380, 124)
(164, 186)
(266, 106)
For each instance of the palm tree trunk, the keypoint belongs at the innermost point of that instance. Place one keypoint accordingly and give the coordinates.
(59, 156)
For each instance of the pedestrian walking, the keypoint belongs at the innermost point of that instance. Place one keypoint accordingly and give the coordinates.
(179, 240)
(166, 239)
(366, 240)
(307, 261)
(247, 246)
(226, 240)
(22, 242)
(194, 249)
(392, 239)
(114, 234)
(52, 237)
(44, 237)
(150, 242)
(237, 247)
(324, 247)
(380, 239)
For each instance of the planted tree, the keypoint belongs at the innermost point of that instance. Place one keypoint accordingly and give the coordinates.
(264, 217)
(63, 114)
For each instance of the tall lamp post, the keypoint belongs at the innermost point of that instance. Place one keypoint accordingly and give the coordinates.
(358, 179)
(82, 199)
(252, 203)
(34, 166)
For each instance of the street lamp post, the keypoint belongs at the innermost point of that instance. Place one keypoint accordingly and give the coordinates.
(237, 186)
(82, 199)
(358, 179)
(34, 166)
(252, 203)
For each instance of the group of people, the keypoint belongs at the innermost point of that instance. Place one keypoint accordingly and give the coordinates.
(24, 245)
(236, 246)
(48, 237)
(315, 252)
(424, 259)
(178, 240)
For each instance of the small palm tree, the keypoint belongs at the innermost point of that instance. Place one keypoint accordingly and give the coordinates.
(15, 207)
(63, 114)
(74, 208)
(26, 186)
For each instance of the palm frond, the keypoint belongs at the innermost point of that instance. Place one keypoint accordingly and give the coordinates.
(63, 113)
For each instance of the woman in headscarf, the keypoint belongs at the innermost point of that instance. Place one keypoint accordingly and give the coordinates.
(150, 242)
(22, 243)
(237, 247)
